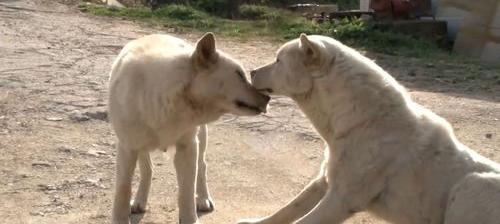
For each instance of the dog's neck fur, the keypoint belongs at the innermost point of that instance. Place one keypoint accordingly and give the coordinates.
(333, 104)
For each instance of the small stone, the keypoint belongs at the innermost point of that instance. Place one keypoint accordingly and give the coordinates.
(488, 136)
(96, 153)
(78, 117)
(94, 182)
(37, 213)
(43, 164)
(97, 114)
(64, 149)
(45, 187)
(54, 118)
(91, 181)
(412, 73)
(312, 157)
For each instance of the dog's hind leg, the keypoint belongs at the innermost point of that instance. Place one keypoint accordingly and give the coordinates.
(475, 199)
(141, 197)
(204, 202)
(125, 165)
(185, 160)
(299, 206)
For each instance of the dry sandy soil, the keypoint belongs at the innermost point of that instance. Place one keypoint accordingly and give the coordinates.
(57, 150)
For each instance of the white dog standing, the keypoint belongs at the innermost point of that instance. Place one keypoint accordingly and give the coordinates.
(162, 93)
(386, 154)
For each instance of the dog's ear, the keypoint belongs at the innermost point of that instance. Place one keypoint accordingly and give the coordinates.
(311, 50)
(205, 55)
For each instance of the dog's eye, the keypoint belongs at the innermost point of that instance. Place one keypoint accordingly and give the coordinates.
(277, 60)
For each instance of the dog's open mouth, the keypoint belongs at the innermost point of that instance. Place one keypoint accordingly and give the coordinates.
(246, 106)
(266, 90)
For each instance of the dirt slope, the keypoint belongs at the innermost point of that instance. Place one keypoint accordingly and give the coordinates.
(57, 151)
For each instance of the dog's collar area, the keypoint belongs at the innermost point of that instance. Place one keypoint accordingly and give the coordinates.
(319, 76)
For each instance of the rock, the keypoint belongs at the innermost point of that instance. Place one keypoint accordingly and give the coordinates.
(98, 114)
(78, 117)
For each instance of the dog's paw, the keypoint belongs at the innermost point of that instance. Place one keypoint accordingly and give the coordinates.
(120, 221)
(251, 221)
(137, 207)
(195, 222)
(204, 205)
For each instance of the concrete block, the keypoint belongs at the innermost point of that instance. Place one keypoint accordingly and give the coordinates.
(495, 21)
(491, 53)
(470, 40)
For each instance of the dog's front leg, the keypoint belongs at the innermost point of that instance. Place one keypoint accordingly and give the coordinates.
(351, 187)
(186, 158)
(125, 165)
(301, 204)
(332, 209)
(204, 202)
(298, 207)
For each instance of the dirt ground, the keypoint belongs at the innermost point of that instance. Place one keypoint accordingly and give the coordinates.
(57, 150)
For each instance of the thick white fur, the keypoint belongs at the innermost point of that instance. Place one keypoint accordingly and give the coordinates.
(386, 154)
(162, 93)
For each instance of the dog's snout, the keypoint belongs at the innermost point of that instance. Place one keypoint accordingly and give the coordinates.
(266, 98)
(252, 73)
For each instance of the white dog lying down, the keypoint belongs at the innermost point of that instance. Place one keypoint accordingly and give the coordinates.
(386, 154)
(162, 93)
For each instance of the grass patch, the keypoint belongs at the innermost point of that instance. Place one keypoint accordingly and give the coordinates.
(275, 23)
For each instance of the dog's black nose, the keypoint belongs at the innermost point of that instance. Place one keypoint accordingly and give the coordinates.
(252, 73)
(266, 98)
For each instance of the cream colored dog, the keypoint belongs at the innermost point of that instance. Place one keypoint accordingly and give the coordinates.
(386, 154)
(162, 93)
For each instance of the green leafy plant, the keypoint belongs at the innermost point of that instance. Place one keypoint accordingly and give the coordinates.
(277, 24)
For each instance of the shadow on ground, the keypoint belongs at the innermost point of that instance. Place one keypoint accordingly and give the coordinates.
(444, 76)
